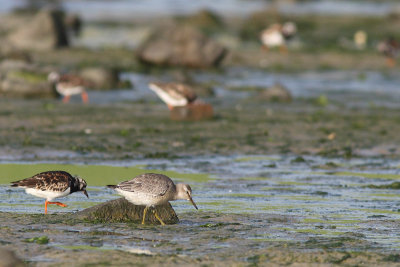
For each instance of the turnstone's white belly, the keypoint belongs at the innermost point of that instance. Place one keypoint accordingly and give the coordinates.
(69, 90)
(272, 39)
(49, 195)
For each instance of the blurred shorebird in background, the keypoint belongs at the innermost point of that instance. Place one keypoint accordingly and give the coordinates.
(278, 35)
(360, 39)
(390, 48)
(174, 94)
(51, 185)
(67, 85)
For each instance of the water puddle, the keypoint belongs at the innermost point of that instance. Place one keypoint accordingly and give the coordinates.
(350, 88)
(321, 203)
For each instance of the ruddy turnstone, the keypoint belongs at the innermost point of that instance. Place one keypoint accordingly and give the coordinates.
(68, 85)
(390, 48)
(151, 189)
(174, 94)
(51, 185)
(278, 35)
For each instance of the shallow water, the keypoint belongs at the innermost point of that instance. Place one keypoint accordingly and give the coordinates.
(324, 197)
(350, 88)
(126, 9)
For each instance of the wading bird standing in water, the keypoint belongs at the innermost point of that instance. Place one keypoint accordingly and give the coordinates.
(152, 189)
(67, 85)
(51, 185)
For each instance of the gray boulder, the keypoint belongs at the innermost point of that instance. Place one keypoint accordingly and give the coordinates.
(45, 31)
(181, 46)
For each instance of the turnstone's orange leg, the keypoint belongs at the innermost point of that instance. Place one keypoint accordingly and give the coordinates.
(58, 204)
(66, 99)
(264, 48)
(85, 97)
(283, 49)
(170, 107)
(390, 62)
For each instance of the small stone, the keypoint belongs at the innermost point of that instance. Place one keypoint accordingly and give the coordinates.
(276, 93)
(192, 112)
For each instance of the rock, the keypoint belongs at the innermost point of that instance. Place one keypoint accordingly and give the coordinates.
(27, 84)
(9, 259)
(276, 93)
(73, 23)
(46, 31)
(205, 19)
(120, 210)
(101, 78)
(193, 112)
(181, 46)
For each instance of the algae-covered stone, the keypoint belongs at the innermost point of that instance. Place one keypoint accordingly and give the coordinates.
(120, 210)
(27, 84)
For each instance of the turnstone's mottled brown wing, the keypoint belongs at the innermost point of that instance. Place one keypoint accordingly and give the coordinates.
(72, 80)
(148, 183)
(58, 181)
(185, 90)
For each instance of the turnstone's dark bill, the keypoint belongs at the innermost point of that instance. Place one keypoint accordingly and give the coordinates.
(51, 185)
(174, 94)
(151, 189)
(68, 85)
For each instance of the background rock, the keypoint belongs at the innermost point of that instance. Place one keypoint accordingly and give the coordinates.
(18, 82)
(9, 259)
(276, 93)
(101, 78)
(45, 31)
(181, 46)
(120, 210)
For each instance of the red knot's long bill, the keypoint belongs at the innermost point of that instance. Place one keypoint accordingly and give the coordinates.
(152, 189)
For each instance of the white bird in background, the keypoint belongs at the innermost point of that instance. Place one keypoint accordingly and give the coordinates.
(277, 35)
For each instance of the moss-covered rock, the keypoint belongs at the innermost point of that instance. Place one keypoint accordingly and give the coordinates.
(120, 210)
(182, 46)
